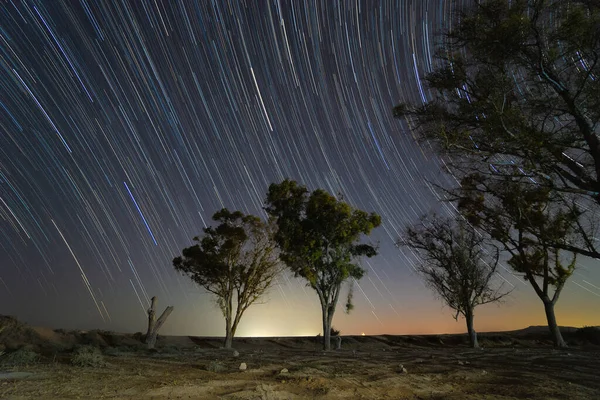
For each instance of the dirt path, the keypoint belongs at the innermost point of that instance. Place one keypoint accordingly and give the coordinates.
(452, 373)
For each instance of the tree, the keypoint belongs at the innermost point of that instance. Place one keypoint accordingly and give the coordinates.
(153, 324)
(530, 224)
(517, 92)
(457, 265)
(318, 236)
(236, 261)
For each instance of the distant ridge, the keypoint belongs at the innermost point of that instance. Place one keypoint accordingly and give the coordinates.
(536, 329)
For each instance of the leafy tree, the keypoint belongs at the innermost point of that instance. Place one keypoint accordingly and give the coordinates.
(517, 92)
(236, 261)
(529, 223)
(457, 264)
(318, 236)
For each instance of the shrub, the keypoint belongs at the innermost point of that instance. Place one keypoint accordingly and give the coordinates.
(216, 366)
(588, 334)
(21, 356)
(139, 336)
(111, 351)
(334, 332)
(92, 338)
(87, 356)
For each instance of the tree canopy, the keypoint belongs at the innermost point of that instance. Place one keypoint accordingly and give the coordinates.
(516, 94)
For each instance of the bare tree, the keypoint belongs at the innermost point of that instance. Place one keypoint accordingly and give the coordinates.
(456, 264)
(236, 261)
(153, 324)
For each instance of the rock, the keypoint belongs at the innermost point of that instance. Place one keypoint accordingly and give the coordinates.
(283, 371)
(461, 363)
(243, 367)
(467, 362)
(236, 353)
(484, 372)
(402, 370)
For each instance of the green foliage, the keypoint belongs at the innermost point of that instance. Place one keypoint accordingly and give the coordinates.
(22, 356)
(517, 94)
(216, 366)
(318, 234)
(236, 261)
(88, 356)
(349, 305)
(319, 237)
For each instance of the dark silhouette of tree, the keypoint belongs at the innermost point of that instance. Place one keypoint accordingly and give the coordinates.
(529, 223)
(517, 93)
(236, 261)
(457, 263)
(319, 240)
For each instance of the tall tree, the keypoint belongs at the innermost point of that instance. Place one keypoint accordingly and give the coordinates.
(517, 92)
(236, 261)
(528, 221)
(319, 240)
(458, 265)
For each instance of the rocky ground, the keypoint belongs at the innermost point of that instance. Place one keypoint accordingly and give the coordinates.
(93, 365)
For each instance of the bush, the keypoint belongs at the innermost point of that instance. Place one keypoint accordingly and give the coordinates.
(92, 338)
(22, 356)
(139, 336)
(111, 351)
(588, 334)
(334, 332)
(216, 366)
(88, 356)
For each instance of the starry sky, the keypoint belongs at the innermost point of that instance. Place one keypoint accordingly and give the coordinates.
(124, 125)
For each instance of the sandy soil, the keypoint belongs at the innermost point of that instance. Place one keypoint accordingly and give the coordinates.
(366, 368)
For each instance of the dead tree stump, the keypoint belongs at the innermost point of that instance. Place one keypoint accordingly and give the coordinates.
(153, 324)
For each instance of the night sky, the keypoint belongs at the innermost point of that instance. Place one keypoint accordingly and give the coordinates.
(124, 125)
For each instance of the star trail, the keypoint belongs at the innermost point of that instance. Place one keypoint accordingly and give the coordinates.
(124, 125)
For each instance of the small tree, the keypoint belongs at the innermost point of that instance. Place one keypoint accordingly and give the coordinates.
(318, 236)
(236, 261)
(456, 264)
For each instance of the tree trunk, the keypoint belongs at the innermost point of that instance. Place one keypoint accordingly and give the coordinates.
(153, 325)
(228, 324)
(151, 319)
(326, 329)
(228, 333)
(553, 326)
(228, 339)
(471, 330)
